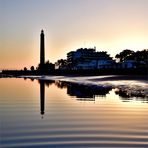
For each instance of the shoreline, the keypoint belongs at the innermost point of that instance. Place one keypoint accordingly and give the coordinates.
(91, 77)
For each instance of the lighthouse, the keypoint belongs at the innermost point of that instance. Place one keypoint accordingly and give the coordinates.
(42, 50)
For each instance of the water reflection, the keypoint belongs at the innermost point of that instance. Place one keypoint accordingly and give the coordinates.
(84, 91)
(127, 95)
(42, 94)
(88, 92)
(81, 92)
(42, 97)
(108, 122)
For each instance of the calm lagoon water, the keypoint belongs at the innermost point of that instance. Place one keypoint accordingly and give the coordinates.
(59, 114)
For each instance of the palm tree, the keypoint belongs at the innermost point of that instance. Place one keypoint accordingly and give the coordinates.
(32, 68)
(25, 69)
(61, 63)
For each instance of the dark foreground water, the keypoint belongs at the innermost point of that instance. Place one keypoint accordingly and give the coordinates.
(60, 114)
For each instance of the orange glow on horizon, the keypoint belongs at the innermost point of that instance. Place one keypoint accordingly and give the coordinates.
(109, 25)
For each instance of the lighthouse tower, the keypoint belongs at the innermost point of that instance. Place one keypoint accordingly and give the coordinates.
(42, 50)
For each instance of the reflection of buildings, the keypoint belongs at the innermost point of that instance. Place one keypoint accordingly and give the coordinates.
(80, 91)
(131, 94)
(83, 92)
(87, 92)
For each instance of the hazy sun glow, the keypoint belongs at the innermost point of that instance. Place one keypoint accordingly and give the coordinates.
(109, 25)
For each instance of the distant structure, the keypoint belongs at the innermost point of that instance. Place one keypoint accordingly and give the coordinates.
(88, 59)
(42, 50)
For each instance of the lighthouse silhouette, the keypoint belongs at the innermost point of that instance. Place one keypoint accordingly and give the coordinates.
(42, 51)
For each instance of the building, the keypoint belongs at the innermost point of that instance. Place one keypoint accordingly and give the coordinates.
(85, 59)
(106, 64)
(129, 64)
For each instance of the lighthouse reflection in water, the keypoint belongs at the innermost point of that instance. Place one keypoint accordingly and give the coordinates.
(42, 113)
(80, 92)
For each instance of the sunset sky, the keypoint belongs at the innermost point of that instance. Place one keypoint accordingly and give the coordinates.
(109, 25)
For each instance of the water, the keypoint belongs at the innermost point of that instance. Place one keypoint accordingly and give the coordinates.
(62, 114)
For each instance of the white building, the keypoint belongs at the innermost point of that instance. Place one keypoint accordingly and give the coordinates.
(87, 65)
(106, 63)
(84, 58)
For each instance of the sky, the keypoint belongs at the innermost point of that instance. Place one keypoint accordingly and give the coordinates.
(108, 25)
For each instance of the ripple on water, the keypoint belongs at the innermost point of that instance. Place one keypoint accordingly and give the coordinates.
(108, 122)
